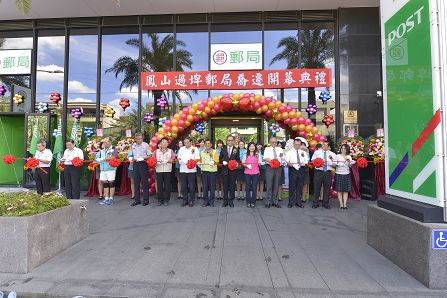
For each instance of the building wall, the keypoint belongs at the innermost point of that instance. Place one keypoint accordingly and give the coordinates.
(360, 67)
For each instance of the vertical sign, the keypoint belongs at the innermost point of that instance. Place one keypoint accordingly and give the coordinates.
(412, 101)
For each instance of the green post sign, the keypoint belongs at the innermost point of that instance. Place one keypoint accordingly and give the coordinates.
(412, 102)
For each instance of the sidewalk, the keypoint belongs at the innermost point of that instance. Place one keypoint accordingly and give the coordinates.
(220, 252)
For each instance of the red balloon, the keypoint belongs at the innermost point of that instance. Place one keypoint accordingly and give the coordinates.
(256, 105)
(268, 114)
(301, 120)
(287, 121)
(308, 121)
(317, 137)
(293, 121)
(183, 116)
(289, 109)
(167, 123)
(312, 149)
(196, 118)
(322, 138)
(302, 133)
(201, 107)
(282, 109)
(261, 102)
(185, 110)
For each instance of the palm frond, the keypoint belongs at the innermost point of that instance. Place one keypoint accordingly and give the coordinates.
(23, 5)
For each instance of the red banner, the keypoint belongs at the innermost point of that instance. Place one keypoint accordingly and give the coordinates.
(268, 79)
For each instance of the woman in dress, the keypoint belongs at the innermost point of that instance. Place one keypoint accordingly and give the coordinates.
(342, 175)
(240, 178)
(219, 180)
(260, 191)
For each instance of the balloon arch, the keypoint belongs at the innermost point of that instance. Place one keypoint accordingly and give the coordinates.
(183, 122)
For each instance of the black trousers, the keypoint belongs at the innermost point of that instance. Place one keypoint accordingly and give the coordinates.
(140, 176)
(188, 182)
(164, 186)
(322, 178)
(72, 177)
(296, 183)
(229, 187)
(42, 180)
(209, 185)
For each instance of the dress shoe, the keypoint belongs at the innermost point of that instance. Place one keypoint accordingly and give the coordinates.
(225, 204)
(166, 203)
(314, 206)
(191, 204)
(205, 204)
(277, 206)
(184, 203)
(300, 206)
(289, 206)
(231, 204)
(267, 205)
(145, 203)
(135, 203)
(326, 207)
(160, 203)
(211, 204)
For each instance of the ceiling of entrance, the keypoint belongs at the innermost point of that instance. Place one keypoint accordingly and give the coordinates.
(90, 8)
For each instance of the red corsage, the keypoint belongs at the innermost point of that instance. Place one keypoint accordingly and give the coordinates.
(32, 163)
(362, 162)
(232, 165)
(191, 164)
(92, 166)
(9, 159)
(114, 162)
(318, 162)
(274, 163)
(61, 167)
(77, 162)
(152, 162)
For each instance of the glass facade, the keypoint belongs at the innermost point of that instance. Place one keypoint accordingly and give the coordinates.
(96, 65)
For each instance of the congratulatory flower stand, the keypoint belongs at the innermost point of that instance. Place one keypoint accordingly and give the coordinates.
(35, 228)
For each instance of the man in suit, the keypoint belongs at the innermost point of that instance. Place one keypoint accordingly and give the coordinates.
(229, 152)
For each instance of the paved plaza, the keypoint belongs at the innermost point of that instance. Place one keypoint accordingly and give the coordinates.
(220, 252)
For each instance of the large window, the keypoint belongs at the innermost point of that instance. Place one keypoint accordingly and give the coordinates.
(82, 79)
(14, 83)
(119, 79)
(50, 66)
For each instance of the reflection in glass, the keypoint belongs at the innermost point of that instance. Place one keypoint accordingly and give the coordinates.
(18, 80)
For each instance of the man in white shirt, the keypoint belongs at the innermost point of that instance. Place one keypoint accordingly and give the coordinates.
(42, 173)
(273, 176)
(296, 160)
(140, 152)
(188, 176)
(72, 174)
(323, 175)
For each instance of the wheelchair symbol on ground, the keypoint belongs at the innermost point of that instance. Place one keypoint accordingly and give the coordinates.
(439, 239)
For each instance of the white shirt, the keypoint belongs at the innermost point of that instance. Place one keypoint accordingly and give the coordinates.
(46, 154)
(343, 164)
(162, 160)
(291, 157)
(184, 154)
(269, 153)
(330, 158)
(69, 155)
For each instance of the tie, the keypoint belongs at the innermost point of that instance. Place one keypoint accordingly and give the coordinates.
(298, 157)
(229, 152)
(325, 161)
(274, 153)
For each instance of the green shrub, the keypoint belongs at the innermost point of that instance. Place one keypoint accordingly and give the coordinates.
(30, 203)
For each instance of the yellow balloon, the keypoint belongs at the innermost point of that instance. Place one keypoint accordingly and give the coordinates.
(295, 127)
(271, 105)
(192, 111)
(236, 96)
(265, 108)
(187, 123)
(160, 136)
(258, 97)
(211, 103)
(292, 114)
(301, 127)
(204, 115)
(298, 114)
(174, 129)
(207, 110)
(285, 115)
(259, 111)
(161, 130)
(308, 128)
(174, 122)
(315, 129)
(177, 116)
(189, 118)
(194, 106)
(313, 143)
(278, 117)
(278, 104)
(174, 135)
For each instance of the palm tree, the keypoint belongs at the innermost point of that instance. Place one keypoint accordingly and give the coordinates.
(317, 50)
(157, 56)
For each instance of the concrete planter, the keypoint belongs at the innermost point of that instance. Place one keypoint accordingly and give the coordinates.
(27, 242)
(408, 244)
